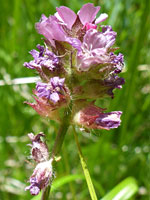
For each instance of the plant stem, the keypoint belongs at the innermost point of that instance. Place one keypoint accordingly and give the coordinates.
(85, 169)
(45, 193)
(60, 138)
(58, 144)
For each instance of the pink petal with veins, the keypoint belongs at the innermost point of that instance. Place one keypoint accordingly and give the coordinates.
(88, 13)
(67, 15)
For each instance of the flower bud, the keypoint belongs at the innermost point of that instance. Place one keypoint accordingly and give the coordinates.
(94, 117)
(39, 150)
(41, 177)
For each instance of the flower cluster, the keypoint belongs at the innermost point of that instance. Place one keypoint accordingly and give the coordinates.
(43, 171)
(77, 64)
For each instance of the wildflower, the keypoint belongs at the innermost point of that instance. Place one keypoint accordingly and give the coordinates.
(58, 27)
(39, 150)
(51, 90)
(94, 117)
(41, 177)
(77, 64)
(43, 58)
(86, 15)
(94, 50)
(42, 173)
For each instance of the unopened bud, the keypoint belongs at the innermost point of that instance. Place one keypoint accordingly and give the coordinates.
(39, 150)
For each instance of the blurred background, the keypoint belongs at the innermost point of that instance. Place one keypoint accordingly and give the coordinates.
(112, 155)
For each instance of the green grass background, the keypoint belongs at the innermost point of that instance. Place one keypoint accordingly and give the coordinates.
(111, 155)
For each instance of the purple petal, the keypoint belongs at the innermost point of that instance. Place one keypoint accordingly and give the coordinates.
(56, 81)
(51, 90)
(43, 17)
(67, 15)
(56, 30)
(29, 65)
(110, 35)
(54, 97)
(94, 39)
(40, 177)
(87, 63)
(93, 50)
(88, 13)
(101, 18)
(42, 28)
(44, 58)
(114, 82)
(109, 120)
(118, 61)
(35, 54)
(34, 190)
(76, 43)
(51, 29)
(41, 49)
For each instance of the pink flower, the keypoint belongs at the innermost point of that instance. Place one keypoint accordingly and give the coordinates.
(94, 49)
(78, 63)
(86, 14)
(58, 27)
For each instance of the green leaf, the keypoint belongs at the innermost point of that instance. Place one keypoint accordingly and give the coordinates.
(62, 181)
(123, 191)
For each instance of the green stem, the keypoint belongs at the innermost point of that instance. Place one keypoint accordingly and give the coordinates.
(45, 193)
(58, 144)
(85, 169)
(60, 138)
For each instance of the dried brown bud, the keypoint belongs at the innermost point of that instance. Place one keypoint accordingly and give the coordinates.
(39, 149)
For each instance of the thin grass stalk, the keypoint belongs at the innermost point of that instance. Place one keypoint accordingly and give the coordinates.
(85, 169)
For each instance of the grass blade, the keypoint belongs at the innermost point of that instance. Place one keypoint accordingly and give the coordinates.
(123, 191)
(85, 169)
